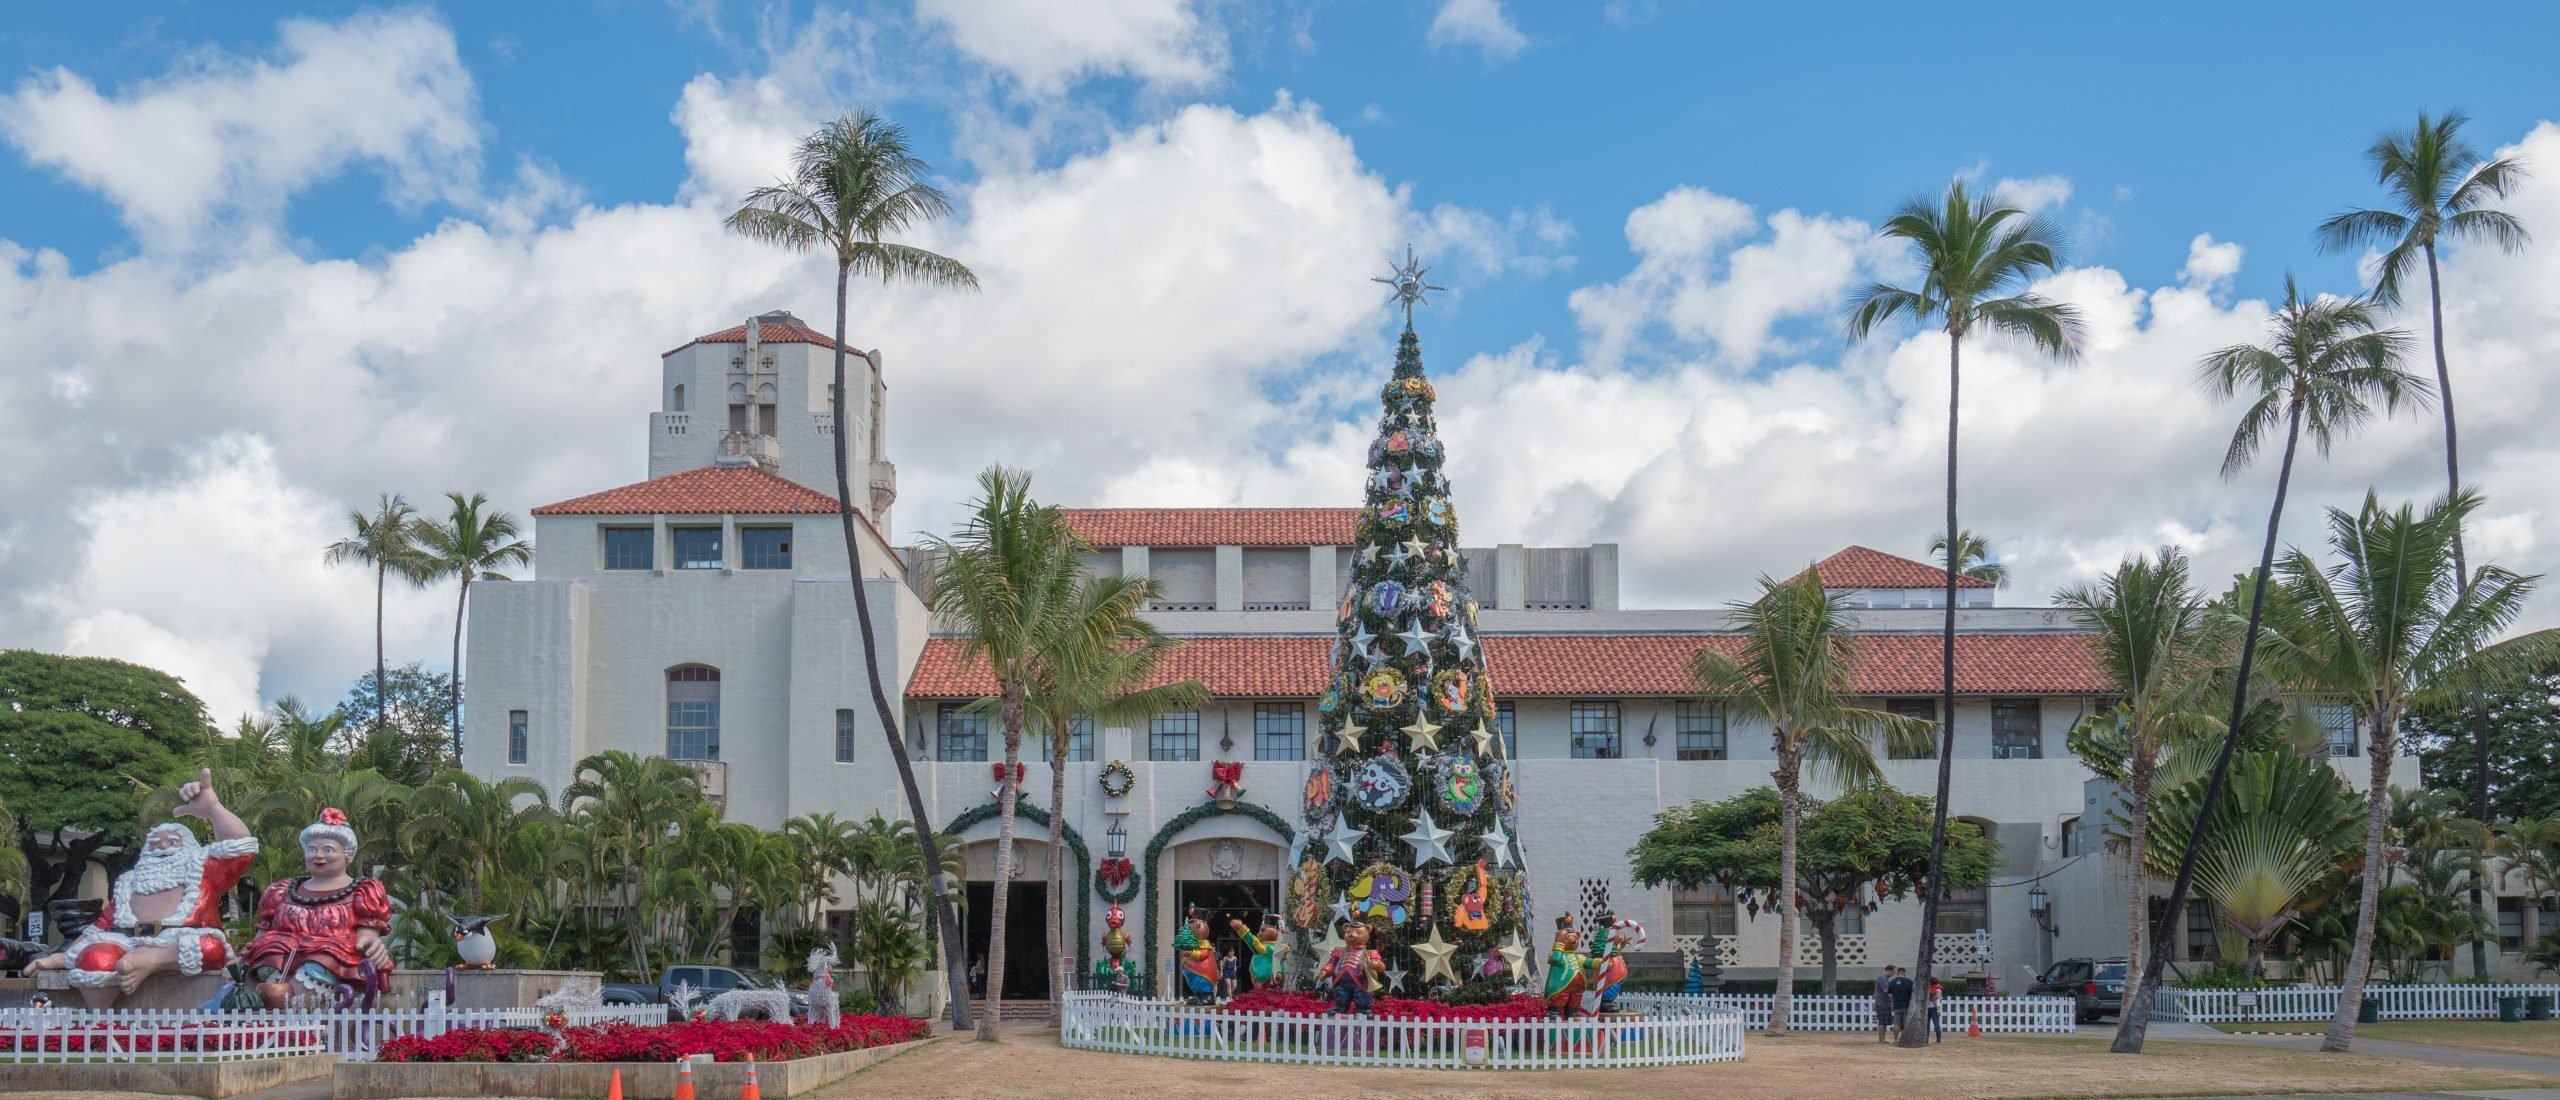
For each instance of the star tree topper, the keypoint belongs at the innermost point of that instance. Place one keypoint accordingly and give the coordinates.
(1410, 289)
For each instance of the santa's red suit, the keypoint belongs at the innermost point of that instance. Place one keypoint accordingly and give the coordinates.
(195, 929)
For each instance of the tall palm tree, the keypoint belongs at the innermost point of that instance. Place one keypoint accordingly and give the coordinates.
(469, 546)
(2327, 366)
(2159, 645)
(2387, 628)
(477, 846)
(2441, 187)
(387, 540)
(1973, 558)
(1009, 583)
(1798, 660)
(1977, 257)
(853, 183)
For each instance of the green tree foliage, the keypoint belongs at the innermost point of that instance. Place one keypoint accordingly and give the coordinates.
(1973, 557)
(83, 738)
(468, 545)
(2291, 825)
(1867, 845)
(2523, 723)
(407, 740)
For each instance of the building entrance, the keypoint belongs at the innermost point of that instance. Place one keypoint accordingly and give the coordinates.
(1223, 900)
(1026, 939)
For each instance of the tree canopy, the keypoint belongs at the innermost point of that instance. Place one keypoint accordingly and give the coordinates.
(1873, 839)
(2524, 738)
(85, 738)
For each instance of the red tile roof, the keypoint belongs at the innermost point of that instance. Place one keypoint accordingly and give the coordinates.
(1214, 526)
(709, 490)
(793, 331)
(1553, 665)
(1859, 567)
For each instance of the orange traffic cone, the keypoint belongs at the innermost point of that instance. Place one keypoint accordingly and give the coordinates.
(684, 1078)
(615, 1092)
(1973, 1026)
(751, 1092)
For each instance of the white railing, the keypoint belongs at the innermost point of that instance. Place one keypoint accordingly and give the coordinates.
(43, 1034)
(2289, 1003)
(1997, 1015)
(1679, 1034)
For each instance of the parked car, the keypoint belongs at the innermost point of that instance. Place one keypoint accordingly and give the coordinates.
(707, 982)
(2096, 986)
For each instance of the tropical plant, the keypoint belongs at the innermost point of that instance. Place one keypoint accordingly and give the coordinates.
(2386, 628)
(2327, 366)
(2294, 826)
(1795, 670)
(2160, 646)
(1977, 257)
(2523, 721)
(1973, 557)
(468, 546)
(854, 183)
(480, 837)
(387, 541)
(822, 844)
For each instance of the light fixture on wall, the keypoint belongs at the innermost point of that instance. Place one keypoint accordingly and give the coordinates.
(1226, 740)
(2040, 906)
(1116, 841)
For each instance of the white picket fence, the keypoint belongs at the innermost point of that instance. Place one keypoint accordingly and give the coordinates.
(1997, 1015)
(1681, 1034)
(2288, 1003)
(161, 1035)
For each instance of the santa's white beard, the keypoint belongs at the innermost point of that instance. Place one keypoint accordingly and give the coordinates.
(166, 869)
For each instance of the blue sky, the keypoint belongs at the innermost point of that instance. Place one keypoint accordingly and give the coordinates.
(257, 266)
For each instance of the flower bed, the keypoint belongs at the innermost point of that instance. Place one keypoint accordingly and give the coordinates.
(725, 1041)
(1519, 1007)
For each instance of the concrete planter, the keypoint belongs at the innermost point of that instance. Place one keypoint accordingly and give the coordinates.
(640, 1080)
(174, 1078)
(486, 988)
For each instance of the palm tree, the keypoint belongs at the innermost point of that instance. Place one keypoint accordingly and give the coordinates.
(1799, 657)
(2441, 186)
(2296, 828)
(823, 845)
(1009, 583)
(2159, 645)
(476, 843)
(1973, 558)
(469, 546)
(626, 803)
(1977, 257)
(853, 183)
(387, 540)
(2387, 628)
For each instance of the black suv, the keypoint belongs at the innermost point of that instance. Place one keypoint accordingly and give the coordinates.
(2095, 986)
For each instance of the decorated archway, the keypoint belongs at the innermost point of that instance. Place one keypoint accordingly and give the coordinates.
(1171, 831)
(1071, 886)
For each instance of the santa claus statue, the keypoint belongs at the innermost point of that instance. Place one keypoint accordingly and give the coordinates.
(319, 932)
(167, 912)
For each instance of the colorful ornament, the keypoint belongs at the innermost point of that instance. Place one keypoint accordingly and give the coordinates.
(1471, 914)
(1386, 597)
(1306, 894)
(1395, 511)
(1436, 510)
(1379, 894)
(1399, 441)
(1330, 701)
(1429, 900)
(1461, 789)
(1383, 689)
(1451, 689)
(1381, 785)
(1319, 793)
(1117, 779)
(1226, 782)
(1440, 599)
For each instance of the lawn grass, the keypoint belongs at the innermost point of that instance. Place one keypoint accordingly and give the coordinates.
(2540, 1038)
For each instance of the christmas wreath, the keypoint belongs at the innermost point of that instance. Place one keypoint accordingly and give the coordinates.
(1118, 779)
(1116, 879)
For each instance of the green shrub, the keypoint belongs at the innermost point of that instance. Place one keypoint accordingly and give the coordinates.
(857, 1002)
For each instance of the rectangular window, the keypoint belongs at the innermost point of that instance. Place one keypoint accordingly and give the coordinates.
(1701, 730)
(1080, 738)
(960, 735)
(2340, 721)
(2202, 944)
(1962, 912)
(1707, 911)
(517, 728)
(1924, 710)
(1595, 730)
(844, 736)
(1279, 731)
(2017, 729)
(1849, 921)
(2510, 924)
(1174, 735)
(764, 547)
(630, 548)
(693, 729)
(697, 547)
(1506, 722)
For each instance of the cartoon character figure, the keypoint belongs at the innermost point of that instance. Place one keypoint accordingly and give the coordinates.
(1461, 788)
(1387, 596)
(1265, 947)
(322, 931)
(1383, 689)
(1380, 893)
(1437, 511)
(1198, 960)
(1471, 904)
(1350, 974)
(1441, 600)
(1450, 689)
(165, 913)
(1575, 978)
(1396, 511)
(1117, 970)
(1399, 441)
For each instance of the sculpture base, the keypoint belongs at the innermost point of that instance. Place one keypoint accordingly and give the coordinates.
(165, 990)
(487, 988)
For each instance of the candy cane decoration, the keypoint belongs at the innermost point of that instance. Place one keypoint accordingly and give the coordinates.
(1627, 934)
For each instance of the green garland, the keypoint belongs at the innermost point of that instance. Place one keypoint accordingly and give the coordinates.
(1120, 896)
(1172, 828)
(1026, 811)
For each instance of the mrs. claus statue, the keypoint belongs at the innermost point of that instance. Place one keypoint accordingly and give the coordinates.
(166, 913)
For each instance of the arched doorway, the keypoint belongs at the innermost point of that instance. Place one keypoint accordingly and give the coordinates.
(975, 828)
(1228, 861)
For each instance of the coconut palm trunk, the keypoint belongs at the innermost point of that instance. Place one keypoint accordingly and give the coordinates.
(1915, 1031)
(1789, 775)
(1008, 792)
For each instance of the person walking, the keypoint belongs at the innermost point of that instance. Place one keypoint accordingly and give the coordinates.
(1901, 997)
(1884, 1005)
(1937, 992)
(1227, 976)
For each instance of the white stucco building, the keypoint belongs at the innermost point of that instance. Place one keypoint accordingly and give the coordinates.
(706, 614)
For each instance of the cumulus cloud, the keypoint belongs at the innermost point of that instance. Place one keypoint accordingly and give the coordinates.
(2035, 194)
(1047, 46)
(1481, 24)
(1707, 275)
(230, 136)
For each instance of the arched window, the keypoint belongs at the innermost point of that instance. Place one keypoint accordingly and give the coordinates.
(693, 713)
(678, 404)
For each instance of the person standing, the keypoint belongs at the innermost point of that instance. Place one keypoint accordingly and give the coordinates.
(1901, 996)
(1884, 1005)
(1227, 975)
(1937, 992)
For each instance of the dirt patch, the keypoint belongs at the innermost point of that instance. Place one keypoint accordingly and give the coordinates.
(1032, 1064)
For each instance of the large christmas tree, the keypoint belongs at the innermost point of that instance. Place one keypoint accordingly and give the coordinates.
(1410, 810)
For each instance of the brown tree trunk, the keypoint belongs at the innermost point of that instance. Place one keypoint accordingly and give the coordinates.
(2137, 842)
(461, 604)
(1061, 972)
(1915, 1031)
(2377, 810)
(2461, 588)
(1008, 791)
(1790, 765)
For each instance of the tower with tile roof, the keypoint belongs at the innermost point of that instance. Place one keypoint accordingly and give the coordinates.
(756, 395)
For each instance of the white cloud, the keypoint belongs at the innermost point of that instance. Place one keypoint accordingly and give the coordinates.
(2035, 194)
(1047, 46)
(2210, 263)
(1696, 277)
(1530, 241)
(239, 137)
(1478, 23)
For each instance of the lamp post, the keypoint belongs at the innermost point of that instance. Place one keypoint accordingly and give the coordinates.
(2040, 906)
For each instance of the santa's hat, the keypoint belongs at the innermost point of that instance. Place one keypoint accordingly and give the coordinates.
(331, 826)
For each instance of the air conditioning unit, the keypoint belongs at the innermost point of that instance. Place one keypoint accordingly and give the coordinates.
(713, 775)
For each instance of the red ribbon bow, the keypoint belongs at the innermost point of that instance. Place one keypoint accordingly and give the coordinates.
(1227, 773)
(1115, 872)
(997, 769)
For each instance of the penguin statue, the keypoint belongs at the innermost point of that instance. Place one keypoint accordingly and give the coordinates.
(472, 941)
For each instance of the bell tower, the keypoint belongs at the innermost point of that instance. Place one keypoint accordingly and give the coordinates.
(761, 395)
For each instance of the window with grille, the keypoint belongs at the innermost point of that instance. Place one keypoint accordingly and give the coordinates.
(1595, 730)
(960, 734)
(517, 736)
(2340, 722)
(1706, 911)
(693, 713)
(1962, 912)
(629, 547)
(1174, 735)
(1700, 729)
(2070, 837)
(1079, 738)
(1506, 723)
(844, 736)
(2017, 729)
(2202, 944)
(1923, 710)
(1279, 731)
(1849, 921)
(696, 547)
(764, 547)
